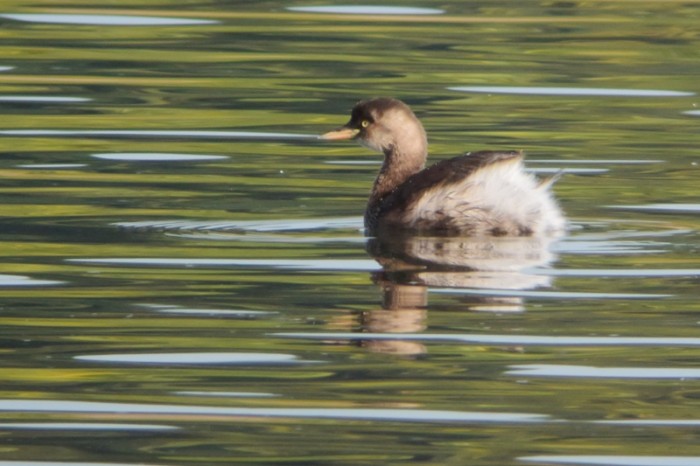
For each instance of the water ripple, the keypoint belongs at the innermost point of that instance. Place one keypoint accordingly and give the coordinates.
(282, 225)
(62, 426)
(175, 134)
(629, 241)
(21, 280)
(42, 99)
(173, 309)
(64, 463)
(365, 414)
(52, 166)
(157, 157)
(561, 370)
(196, 358)
(661, 208)
(105, 20)
(505, 340)
(608, 247)
(652, 422)
(550, 294)
(210, 236)
(367, 10)
(613, 460)
(646, 273)
(227, 394)
(568, 171)
(571, 91)
(342, 265)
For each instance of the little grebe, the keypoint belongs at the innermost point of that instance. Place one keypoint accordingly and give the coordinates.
(480, 193)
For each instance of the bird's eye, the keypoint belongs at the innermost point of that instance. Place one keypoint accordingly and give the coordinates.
(365, 123)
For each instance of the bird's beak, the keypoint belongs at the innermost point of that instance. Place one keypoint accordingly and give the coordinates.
(340, 134)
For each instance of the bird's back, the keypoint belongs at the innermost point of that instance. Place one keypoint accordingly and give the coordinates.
(481, 193)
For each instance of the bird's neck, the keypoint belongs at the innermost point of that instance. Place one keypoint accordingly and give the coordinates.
(400, 163)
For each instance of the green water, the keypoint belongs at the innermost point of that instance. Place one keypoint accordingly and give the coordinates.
(228, 310)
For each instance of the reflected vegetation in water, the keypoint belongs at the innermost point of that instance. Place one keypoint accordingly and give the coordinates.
(185, 278)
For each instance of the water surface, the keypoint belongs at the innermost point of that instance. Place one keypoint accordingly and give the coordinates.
(184, 275)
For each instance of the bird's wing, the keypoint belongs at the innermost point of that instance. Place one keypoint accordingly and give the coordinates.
(435, 195)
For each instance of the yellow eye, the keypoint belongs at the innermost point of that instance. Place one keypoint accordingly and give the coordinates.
(365, 123)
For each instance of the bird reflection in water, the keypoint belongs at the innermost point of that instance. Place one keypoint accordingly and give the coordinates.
(411, 265)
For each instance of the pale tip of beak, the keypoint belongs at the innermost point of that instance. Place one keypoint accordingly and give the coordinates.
(339, 134)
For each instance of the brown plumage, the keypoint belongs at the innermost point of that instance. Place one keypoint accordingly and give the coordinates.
(485, 192)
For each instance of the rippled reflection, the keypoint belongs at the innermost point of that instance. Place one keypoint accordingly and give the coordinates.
(186, 280)
(182, 310)
(77, 426)
(64, 463)
(195, 358)
(158, 157)
(104, 20)
(367, 10)
(504, 340)
(227, 394)
(395, 415)
(614, 460)
(411, 265)
(299, 264)
(560, 370)
(20, 280)
(176, 134)
(52, 166)
(253, 226)
(661, 208)
(571, 91)
(42, 99)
